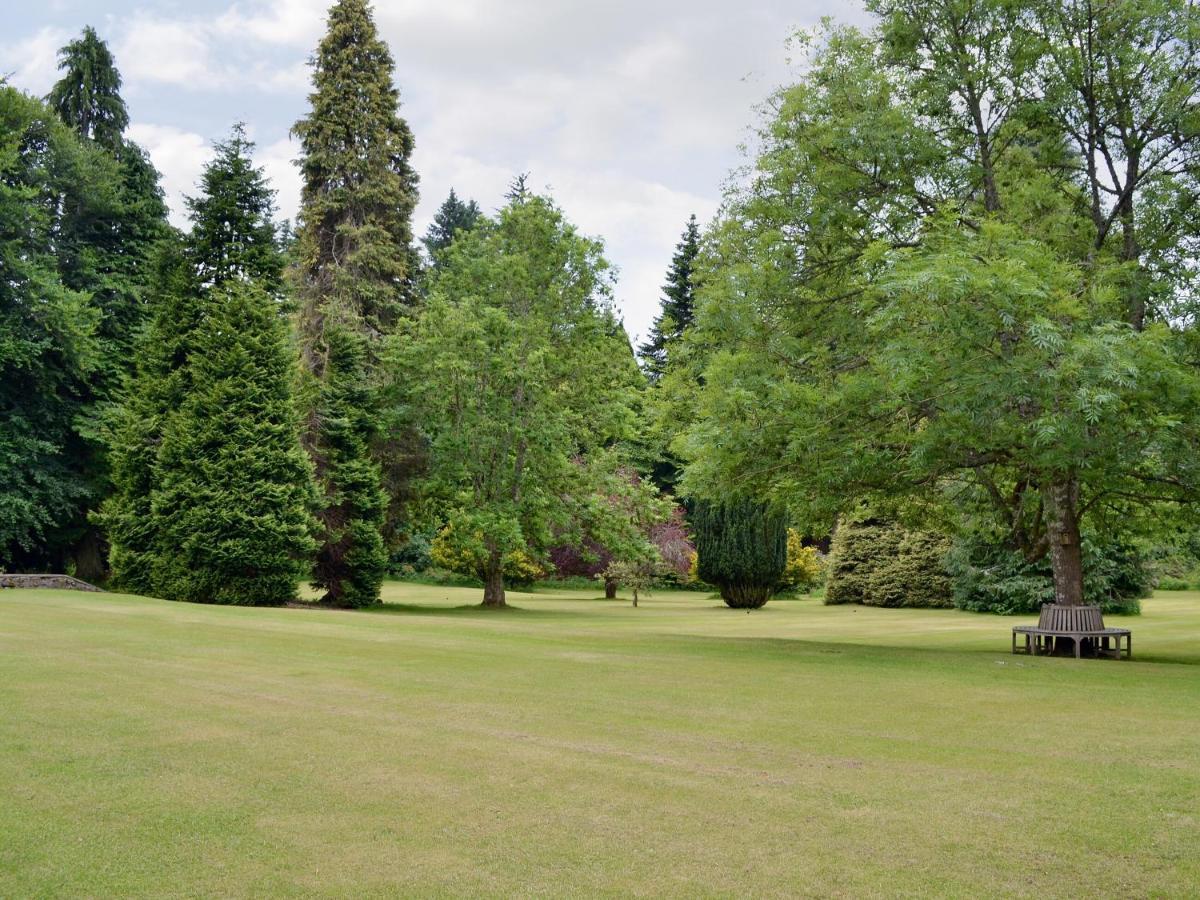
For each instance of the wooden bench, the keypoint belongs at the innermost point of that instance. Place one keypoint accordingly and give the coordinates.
(1082, 625)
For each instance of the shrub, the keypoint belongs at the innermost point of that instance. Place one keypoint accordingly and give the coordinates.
(742, 549)
(989, 577)
(876, 562)
(805, 568)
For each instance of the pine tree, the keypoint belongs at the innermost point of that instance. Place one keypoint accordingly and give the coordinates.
(452, 216)
(87, 98)
(235, 487)
(192, 275)
(677, 306)
(356, 270)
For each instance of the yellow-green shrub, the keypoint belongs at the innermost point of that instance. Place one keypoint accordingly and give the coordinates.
(805, 569)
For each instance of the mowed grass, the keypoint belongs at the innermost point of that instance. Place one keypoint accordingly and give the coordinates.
(579, 747)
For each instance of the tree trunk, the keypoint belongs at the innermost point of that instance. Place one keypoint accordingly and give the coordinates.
(89, 557)
(610, 589)
(493, 584)
(1062, 527)
(635, 597)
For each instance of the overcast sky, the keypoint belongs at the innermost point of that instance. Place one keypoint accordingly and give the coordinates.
(629, 111)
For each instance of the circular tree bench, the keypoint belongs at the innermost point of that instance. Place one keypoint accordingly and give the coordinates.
(1083, 626)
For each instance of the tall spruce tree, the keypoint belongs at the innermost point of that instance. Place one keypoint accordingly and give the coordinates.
(453, 215)
(234, 487)
(356, 267)
(232, 242)
(678, 304)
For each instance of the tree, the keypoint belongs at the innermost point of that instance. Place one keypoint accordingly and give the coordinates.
(107, 250)
(742, 548)
(912, 298)
(523, 382)
(88, 96)
(355, 271)
(232, 244)
(49, 348)
(678, 304)
(234, 486)
(452, 216)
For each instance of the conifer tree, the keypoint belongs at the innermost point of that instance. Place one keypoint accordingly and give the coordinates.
(232, 242)
(87, 98)
(356, 269)
(677, 306)
(235, 487)
(452, 216)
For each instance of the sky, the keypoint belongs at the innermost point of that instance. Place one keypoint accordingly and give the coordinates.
(631, 113)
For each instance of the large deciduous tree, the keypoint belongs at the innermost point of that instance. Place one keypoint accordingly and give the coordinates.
(355, 274)
(961, 274)
(525, 377)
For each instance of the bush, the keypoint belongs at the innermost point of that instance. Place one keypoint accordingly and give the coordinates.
(805, 568)
(742, 549)
(413, 555)
(464, 556)
(989, 577)
(876, 562)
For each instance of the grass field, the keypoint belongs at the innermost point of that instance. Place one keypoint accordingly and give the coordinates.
(578, 747)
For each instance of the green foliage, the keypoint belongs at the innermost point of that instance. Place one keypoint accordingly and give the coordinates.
(464, 549)
(922, 283)
(742, 550)
(678, 305)
(453, 215)
(234, 486)
(875, 562)
(989, 577)
(805, 568)
(352, 558)
(525, 376)
(355, 274)
(87, 98)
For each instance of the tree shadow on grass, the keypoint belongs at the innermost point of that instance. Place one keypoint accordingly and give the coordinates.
(475, 610)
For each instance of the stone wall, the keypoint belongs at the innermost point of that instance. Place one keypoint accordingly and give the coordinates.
(56, 582)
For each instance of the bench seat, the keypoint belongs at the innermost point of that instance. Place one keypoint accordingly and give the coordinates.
(1105, 641)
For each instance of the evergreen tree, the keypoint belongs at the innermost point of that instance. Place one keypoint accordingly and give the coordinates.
(452, 216)
(742, 549)
(87, 98)
(677, 306)
(235, 486)
(232, 243)
(356, 267)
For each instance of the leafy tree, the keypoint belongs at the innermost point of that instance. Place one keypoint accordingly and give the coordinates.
(232, 244)
(88, 96)
(49, 349)
(523, 382)
(912, 298)
(234, 486)
(452, 216)
(107, 250)
(678, 304)
(355, 271)
(742, 549)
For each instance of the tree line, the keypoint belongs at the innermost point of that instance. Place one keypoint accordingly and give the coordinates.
(952, 296)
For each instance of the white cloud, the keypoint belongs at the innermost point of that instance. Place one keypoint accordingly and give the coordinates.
(180, 156)
(154, 50)
(32, 63)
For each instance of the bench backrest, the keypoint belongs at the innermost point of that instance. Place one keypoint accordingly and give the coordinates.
(1071, 618)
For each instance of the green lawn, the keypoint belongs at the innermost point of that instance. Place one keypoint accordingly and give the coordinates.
(580, 747)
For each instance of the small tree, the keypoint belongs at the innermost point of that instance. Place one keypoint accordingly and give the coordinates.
(742, 549)
(638, 575)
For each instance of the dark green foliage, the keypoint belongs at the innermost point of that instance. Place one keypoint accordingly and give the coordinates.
(352, 559)
(355, 268)
(232, 244)
(988, 577)
(87, 98)
(876, 562)
(235, 487)
(452, 216)
(50, 326)
(233, 234)
(742, 550)
(678, 305)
